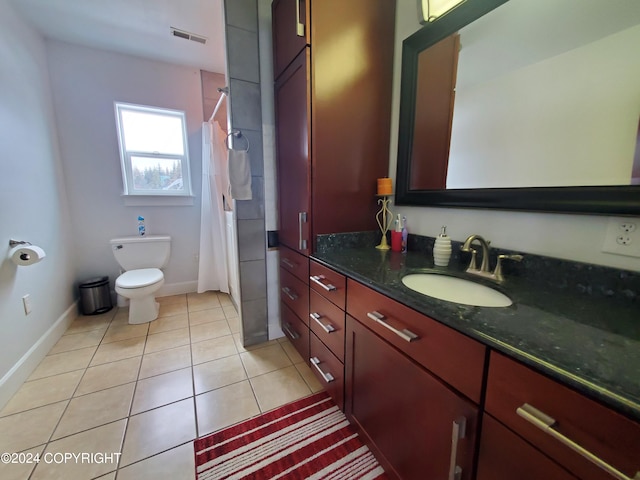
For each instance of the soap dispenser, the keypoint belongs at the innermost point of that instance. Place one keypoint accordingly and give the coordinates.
(442, 249)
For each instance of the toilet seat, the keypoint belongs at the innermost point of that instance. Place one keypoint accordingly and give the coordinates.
(139, 278)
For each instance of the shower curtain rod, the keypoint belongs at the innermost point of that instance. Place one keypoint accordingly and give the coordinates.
(223, 93)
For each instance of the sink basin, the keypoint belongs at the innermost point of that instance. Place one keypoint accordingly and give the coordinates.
(457, 290)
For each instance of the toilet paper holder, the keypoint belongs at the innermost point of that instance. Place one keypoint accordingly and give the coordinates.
(15, 243)
(25, 253)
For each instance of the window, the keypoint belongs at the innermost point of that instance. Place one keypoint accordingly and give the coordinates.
(153, 150)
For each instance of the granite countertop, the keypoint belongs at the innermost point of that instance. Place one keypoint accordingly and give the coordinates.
(581, 333)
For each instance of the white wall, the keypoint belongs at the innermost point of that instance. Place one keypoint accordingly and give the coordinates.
(33, 204)
(85, 84)
(572, 237)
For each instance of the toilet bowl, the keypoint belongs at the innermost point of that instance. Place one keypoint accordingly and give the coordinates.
(140, 287)
(142, 258)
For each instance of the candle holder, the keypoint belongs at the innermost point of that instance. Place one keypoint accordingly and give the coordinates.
(384, 218)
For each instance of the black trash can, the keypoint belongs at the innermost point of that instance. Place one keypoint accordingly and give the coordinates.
(95, 297)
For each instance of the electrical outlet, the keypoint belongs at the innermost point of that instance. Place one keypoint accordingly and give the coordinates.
(622, 237)
(26, 303)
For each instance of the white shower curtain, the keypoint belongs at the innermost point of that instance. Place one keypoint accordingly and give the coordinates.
(212, 269)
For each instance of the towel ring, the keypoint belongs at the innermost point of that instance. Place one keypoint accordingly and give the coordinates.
(237, 134)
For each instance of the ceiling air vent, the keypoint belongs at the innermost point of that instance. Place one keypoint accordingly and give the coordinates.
(188, 35)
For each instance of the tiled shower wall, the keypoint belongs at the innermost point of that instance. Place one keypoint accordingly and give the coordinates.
(243, 73)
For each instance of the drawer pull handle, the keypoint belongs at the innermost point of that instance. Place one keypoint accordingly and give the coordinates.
(458, 432)
(317, 279)
(405, 334)
(315, 361)
(299, 24)
(327, 328)
(287, 291)
(287, 329)
(302, 218)
(546, 423)
(287, 263)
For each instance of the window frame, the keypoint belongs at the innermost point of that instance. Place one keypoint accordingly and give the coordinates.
(126, 165)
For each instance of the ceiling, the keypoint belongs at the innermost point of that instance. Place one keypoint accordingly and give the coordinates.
(135, 27)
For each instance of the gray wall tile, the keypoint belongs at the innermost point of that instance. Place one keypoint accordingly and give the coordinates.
(242, 50)
(255, 327)
(251, 240)
(246, 113)
(254, 208)
(242, 14)
(253, 280)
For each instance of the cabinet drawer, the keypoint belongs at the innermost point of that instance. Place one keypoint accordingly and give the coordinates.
(456, 359)
(295, 263)
(295, 330)
(503, 454)
(327, 321)
(328, 369)
(517, 395)
(328, 283)
(295, 294)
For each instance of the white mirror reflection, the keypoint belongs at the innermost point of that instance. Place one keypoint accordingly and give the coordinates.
(547, 94)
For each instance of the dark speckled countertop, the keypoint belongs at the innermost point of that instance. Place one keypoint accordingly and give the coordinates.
(578, 323)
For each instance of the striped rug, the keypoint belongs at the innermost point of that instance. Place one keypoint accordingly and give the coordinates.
(307, 439)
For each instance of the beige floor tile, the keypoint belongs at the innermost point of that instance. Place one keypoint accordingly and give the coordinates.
(90, 322)
(20, 471)
(158, 430)
(77, 341)
(175, 464)
(213, 349)
(172, 299)
(37, 393)
(109, 375)
(95, 409)
(218, 373)
(166, 340)
(207, 331)
(63, 362)
(121, 317)
(108, 476)
(103, 440)
(230, 311)
(112, 352)
(202, 301)
(234, 324)
(164, 324)
(165, 361)
(29, 429)
(205, 316)
(162, 389)
(119, 332)
(250, 348)
(169, 309)
(309, 377)
(277, 388)
(224, 299)
(264, 360)
(291, 352)
(225, 406)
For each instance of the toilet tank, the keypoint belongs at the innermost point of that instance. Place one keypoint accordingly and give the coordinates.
(142, 252)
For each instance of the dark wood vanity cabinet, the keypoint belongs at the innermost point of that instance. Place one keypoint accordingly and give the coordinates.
(294, 299)
(327, 326)
(518, 398)
(333, 114)
(417, 424)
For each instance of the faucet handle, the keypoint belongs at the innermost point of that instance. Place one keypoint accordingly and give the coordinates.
(472, 263)
(497, 273)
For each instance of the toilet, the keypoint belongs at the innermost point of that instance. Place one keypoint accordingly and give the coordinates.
(141, 258)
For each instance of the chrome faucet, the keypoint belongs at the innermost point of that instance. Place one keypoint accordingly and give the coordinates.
(484, 266)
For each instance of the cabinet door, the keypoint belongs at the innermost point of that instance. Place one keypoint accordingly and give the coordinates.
(409, 418)
(292, 142)
(290, 31)
(503, 454)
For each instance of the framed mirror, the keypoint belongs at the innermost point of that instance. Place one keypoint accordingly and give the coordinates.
(538, 108)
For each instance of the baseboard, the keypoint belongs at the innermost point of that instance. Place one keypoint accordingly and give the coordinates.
(177, 288)
(14, 378)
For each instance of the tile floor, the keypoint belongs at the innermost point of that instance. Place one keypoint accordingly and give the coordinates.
(145, 392)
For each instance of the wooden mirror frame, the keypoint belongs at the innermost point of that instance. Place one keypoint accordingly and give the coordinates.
(619, 200)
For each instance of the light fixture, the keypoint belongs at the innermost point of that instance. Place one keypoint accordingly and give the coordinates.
(433, 9)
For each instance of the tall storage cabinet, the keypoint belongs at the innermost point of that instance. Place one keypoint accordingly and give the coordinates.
(332, 132)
